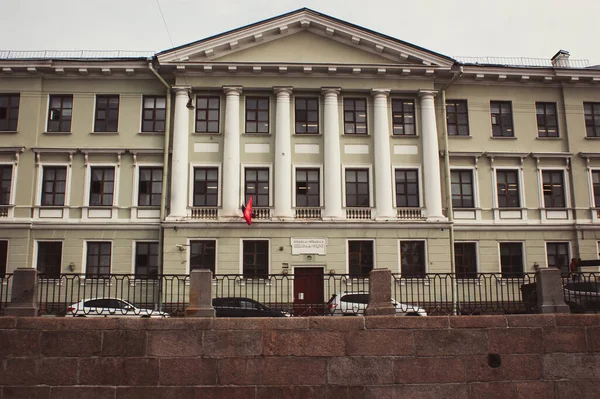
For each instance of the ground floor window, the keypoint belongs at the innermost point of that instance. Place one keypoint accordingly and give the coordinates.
(98, 259)
(557, 255)
(49, 258)
(412, 259)
(146, 259)
(511, 259)
(255, 258)
(465, 259)
(202, 254)
(360, 258)
(3, 257)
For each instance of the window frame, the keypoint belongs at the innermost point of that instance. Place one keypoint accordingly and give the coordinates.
(86, 247)
(36, 257)
(61, 119)
(593, 197)
(40, 196)
(107, 110)
(206, 111)
(134, 262)
(523, 260)
(306, 110)
(193, 185)
(595, 121)
(457, 124)
(516, 171)
(257, 110)
(244, 167)
(114, 182)
(191, 241)
(354, 111)
(469, 274)
(319, 170)
(12, 183)
(4, 259)
(499, 118)
(369, 169)
(565, 188)
(137, 179)
(403, 167)
(255, 277)
(402, 114)
(9, 109)
(425, 258)
(154, 119)
(373, 256)
(568, 255)
(546, 127)
(474, 187)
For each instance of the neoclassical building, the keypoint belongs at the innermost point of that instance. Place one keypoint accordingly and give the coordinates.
(359, 150)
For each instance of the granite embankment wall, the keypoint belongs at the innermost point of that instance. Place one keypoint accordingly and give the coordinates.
(527, 356)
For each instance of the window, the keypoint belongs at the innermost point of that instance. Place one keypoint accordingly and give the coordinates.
(355, 116)
(257, 186)
(256, 258)
(557, 254)
(502, 122)
(407, 188)
(150, 186)
(595, 187)
(462, 189)
(203, 255)
(107, 113)
(257, 115)
(553, 188)
(60, 113)
(3, 257)
(360, 258)
(507, 184)
(49, 258)
(98, 259)
(412, 259)
(9, 112)
(102, 186)
(457, 117)
(206, 186)
(546, 119)
(5, 184)
(54, 185)
(207, 114)
(403, 117)
(146, 259)
(307, 188)
(592, 119)
(307, 115)
(357, 188)
(465, 259)
(511, 259)
(154, 113)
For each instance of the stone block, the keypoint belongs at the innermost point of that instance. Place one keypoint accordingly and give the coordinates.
(430, 370)
(531, 320)
(82, 393)
(535, 389)
(138, 372)
(450, 342)
(512, 368)
(68, 323)
(337, 323)
(175, 343)
(573, 366)
(19, 371)
(433, 391)
(24, 392)
(23, 296)
(173, 323)
(58, 371)
(7, 322)
(493, 390)
(286, 323)
(380, 293)
(156, 393)
(123, 343)
(564, 339)
(18, 343)
(184, 371)
(272, 371)
(478, 322)
(386, 322)
(587, 389)
(291, 392)
(238, 323)
(380, 343)
(577, 319)
(593, 339)
(100, 371)
(303, 343)
(71, 343)
(515, 340)
(223, 343)
(360, 371)
(344, 392)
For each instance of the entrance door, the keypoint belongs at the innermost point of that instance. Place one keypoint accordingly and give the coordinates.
(308, 291)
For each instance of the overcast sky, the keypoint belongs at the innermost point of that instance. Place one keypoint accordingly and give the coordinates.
(507, 28)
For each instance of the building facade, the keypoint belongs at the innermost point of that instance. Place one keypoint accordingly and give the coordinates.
(358, 150)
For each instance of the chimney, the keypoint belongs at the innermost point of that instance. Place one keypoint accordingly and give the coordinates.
(561, 59)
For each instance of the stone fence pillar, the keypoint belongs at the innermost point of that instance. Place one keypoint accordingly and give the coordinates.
(200, 294)
(23, 298)
(550, 297)
(380, 293)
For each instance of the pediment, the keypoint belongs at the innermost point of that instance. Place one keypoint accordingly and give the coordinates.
(303, 36)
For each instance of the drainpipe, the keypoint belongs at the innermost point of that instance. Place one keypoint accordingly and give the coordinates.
(163, 197)
(457, 75)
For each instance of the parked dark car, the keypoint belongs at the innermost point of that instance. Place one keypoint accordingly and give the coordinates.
(582, 296)
(244, 307)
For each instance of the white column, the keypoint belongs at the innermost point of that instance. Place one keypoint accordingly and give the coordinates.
(283, 154)
(231, 153)
(179, 159)
(331, 156)
(431, 159)
(383, 166)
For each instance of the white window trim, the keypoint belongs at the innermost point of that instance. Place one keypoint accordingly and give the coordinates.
(38, 189)
(566, 193)
(136, 179)
(369, 109)
(569, 255)
(523, 254)
(94, 113)
(219, 180)
(219, 95)
(358, 166)
(241, 258)
(188, 258)
(85, 253)
(373, 240)
(297, 166)
(272, 106)
(476, 200)
(47, 122)
(34, 258)
(417, 107)
(243, 168)
(419, 176)
(425, 250)
(477, 255)
(522, 208)
(87, 186)
(320, 115)
(13, 187)
(141, 113)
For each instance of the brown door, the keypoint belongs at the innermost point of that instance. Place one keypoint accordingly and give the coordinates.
(308, 291)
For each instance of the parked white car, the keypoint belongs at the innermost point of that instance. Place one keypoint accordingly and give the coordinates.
(110, 307)
(355, 303)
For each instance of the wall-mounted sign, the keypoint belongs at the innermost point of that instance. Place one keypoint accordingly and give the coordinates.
(302, 246)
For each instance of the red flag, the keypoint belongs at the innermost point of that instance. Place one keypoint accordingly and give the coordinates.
(247, 211)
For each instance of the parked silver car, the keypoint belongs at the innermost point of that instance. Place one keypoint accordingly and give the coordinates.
(110, 307)
(355, 303)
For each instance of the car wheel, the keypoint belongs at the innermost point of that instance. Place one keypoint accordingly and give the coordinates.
(413, 314)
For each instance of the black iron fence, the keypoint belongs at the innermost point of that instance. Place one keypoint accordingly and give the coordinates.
(582, 291)
(5, 288)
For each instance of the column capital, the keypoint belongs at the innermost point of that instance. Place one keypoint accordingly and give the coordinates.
(331, 90)
(179, 90)
(380, 92)
(427, 93)
(285, 91)
(233, 90)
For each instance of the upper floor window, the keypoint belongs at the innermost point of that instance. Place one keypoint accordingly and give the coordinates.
(507, 187)
(154, 113)
(257, 114)
(257, 185)
(255, 258)
(553, 187)
(9, 112)
(98, 259)
(207, 114)
(403, 117)
(407, 188)
(203, 254)
(307, 115)
(511, 259)
(412, 259)
(49, 258)
(54, 185)
(102, 186)
(457, 117)
(462, 189)
(150, 186)
(465, 259)
(357, 188)
(592, 119)
(547, 122)
(502, 119)
(355, 116)
(146, 259)
(60, 113)
(5, 184)
(107, 113)
(307, 188)
(206, 186)
(360, 258)
(596, 187)
(557, 254)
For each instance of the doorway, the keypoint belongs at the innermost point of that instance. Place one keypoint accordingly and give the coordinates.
(309, 291)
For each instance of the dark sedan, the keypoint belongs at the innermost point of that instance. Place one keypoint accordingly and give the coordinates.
(244, 307)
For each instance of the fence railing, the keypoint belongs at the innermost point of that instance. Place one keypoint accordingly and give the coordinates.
(582, 291)
(5, 290)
